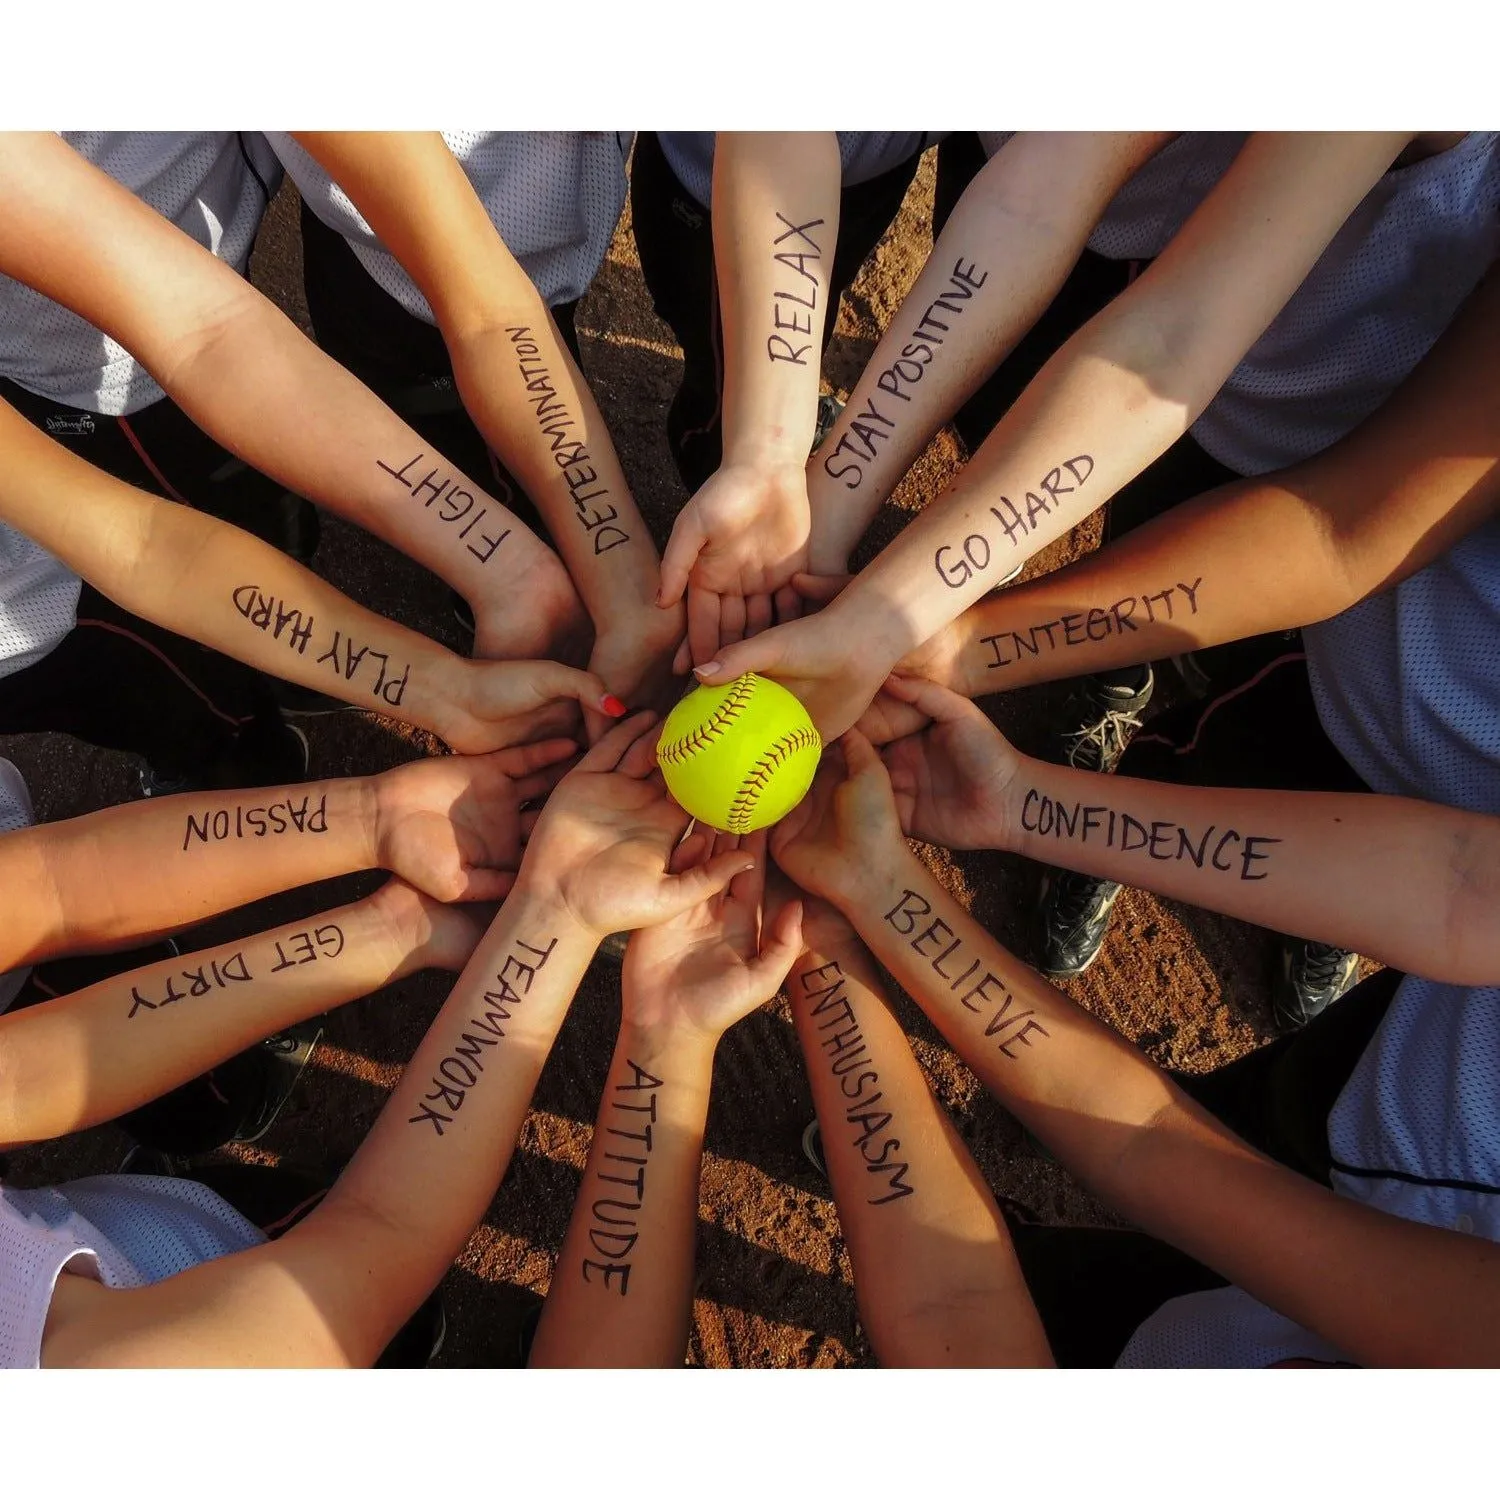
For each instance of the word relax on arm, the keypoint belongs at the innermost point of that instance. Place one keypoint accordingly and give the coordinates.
(957, 563)
(1090, 625)
(870, 425)
(569, 452)
(300, 948)
(633, 1108)
(278, 619)
(1161, 839)
(778, 346)
(459, 1071)
(454, 502)
(1013, 1027)
(846, 1051)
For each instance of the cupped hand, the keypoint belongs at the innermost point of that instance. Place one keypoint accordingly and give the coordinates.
(846, 829)
(451, 825)
(734, 550)
(950, 780)
(603, 844)
(714, 963)
(501, 703)
(633, 656)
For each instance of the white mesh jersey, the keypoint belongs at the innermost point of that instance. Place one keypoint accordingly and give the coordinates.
(1408, 687)
(38, 601)
(16, 813)
(1372, 306)
(863, 154)
(554, 196)
(128, 1231)
(212, 185)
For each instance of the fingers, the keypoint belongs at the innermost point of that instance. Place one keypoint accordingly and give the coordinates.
(680, 893)
(761, 653)
(859, 754)
(789, 604)
(610, 751)
(682, 550)
(693, 850)
(521, 760)
(683, 661)
(480, 884)
(887, 720)
(703, 624)
(639, 761)
(551, 679)
(749, 887)
(820, 588)
(780, 948)
(758, 613)
(938, 703)
(528, 822)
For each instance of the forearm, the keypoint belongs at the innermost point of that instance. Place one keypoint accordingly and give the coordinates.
(1411, 883)
(1004, 253)
(421, 1181)
(775, 225)
(92, 1055)
(78, 886)
(622, 1291)
(935, 1276)
(221, 586)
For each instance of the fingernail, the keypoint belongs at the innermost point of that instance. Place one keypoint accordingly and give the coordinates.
(707, 669)
(613, 707)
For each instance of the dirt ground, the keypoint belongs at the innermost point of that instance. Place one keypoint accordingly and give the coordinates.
(774, 1273)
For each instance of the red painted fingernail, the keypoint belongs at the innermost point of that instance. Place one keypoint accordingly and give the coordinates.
(613, 707)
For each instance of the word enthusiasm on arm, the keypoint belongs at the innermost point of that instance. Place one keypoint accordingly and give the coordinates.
(1091, 624)
(778, 346)
(568, 449)
(633, 1108)
(276, 618)
(258, 821)
(956, 564)
(460, 1070)
(871, 426)
(1014, 1028)
(1161, 838)
(848, 1059)
(306, 947)
(454, 503)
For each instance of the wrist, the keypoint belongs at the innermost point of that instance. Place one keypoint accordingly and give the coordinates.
(684, 1050)
(771, 446)
(1001, 825)
(864, 882)
(537, 893)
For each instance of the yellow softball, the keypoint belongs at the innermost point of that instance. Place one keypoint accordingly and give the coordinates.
(739, 756)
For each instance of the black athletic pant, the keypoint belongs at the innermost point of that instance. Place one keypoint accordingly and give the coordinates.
(674, 234)
(1094, 1287)
(123, 683)
(403, 359)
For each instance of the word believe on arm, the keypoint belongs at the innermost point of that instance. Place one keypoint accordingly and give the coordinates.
(870, 425)
(632, 1107)
(569, 451)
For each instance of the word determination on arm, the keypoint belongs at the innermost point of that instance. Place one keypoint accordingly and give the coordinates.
(459, 1071)
(615, 1233)
(870, 425)
(849, 1061)
(803, 293)
(938, 944)
(569, 451)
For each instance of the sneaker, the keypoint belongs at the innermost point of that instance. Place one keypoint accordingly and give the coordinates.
(298, 702)
(1073, 916)
(829, 409)
(1311, 976)
(1110, 715)
(289, 1052)
(146, 1161)
(267, 755)
(812, 1147)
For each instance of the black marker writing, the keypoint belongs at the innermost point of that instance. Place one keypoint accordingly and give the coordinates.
(984, 988)
(869, 426)
(801, 250)
(1124, 614)
(848, 1059)
(274, 616)
(958, 562)
(454, 502)
(1227, 850)
(569, 452)
(211, 974)
(389, 689)
(616, 1228)
(258, 821)
(459, 1071)
(308, 947)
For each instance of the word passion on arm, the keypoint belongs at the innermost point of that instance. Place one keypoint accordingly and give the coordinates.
(615, 1234)
(257, 820)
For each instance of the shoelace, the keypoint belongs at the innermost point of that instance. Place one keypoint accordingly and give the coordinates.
(1320, 964)
(1098, 745)
(1076, 896)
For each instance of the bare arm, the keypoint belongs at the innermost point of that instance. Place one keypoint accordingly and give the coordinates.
(249, 378)
(1005, 251)
(1264, 554)
(1382, 1289)
(520, 384)
(213, 583)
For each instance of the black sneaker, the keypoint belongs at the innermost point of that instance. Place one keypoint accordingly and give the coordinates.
(1309, 978)
(812, 1147)
(1109, 715)
(288, 1052)
(829, 409)
(268, 754)
(1072, 918)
